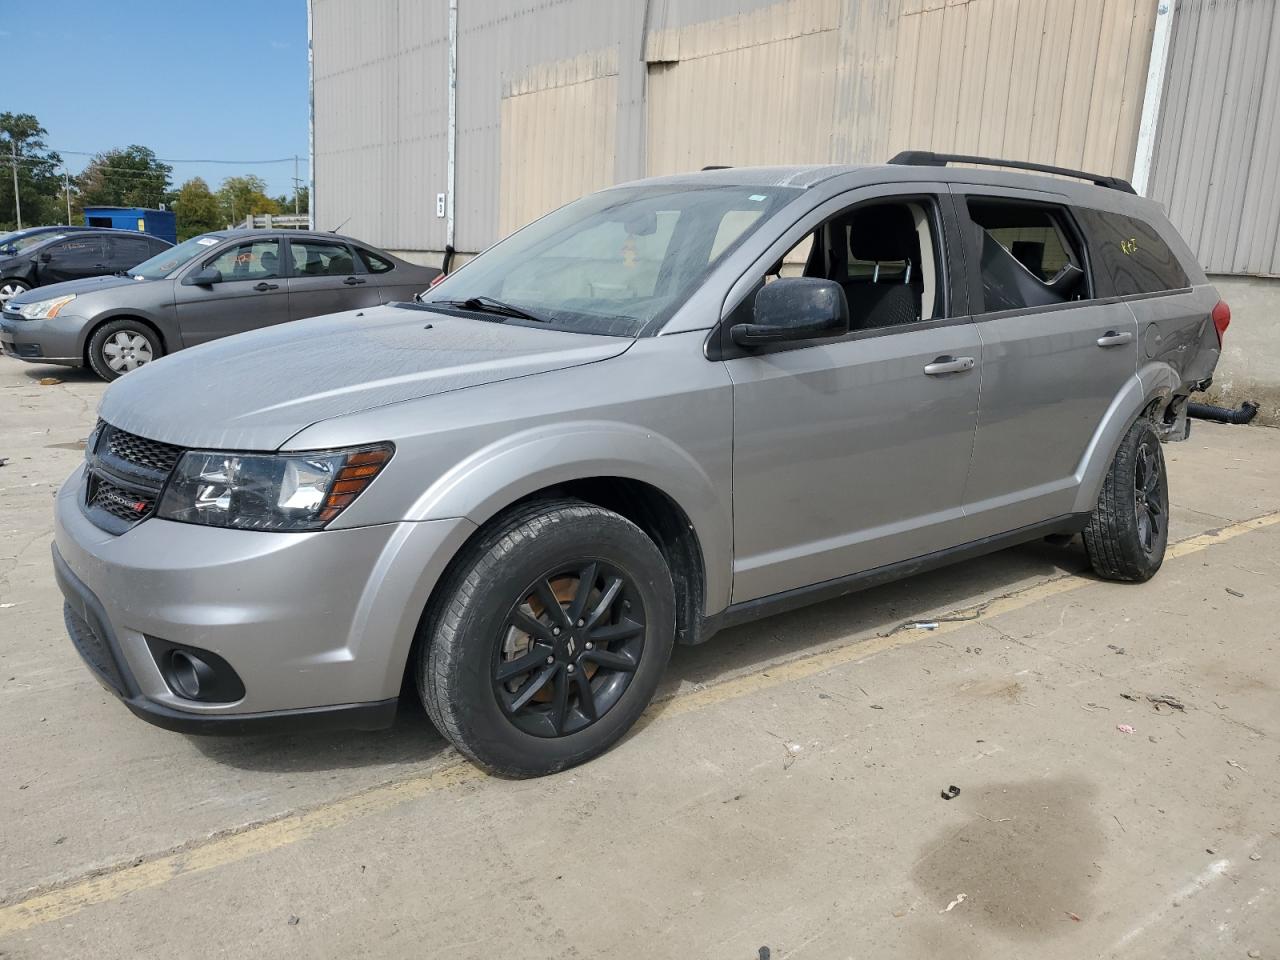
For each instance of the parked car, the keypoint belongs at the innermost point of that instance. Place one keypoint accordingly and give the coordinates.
(666, 408)
(47, 255)
(207, 287)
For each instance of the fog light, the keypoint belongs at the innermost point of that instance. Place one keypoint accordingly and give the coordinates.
(189, 674)
(195, 674)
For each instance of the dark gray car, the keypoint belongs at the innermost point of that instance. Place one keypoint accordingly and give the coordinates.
(207, 287)
(43, 256)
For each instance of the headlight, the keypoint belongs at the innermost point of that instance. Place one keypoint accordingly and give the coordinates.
(252, 491)
(44, 309)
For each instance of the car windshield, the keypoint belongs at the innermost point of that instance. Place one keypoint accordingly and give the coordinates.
(15, 243)
(167, 261)
(618, 262)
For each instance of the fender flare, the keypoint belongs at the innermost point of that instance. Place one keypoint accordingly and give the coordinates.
(1151, 387)
(516, 466)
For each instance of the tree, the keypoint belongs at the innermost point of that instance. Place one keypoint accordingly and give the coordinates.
(127, 177)
(285, 200)
(242, 196)
(197, 209)
(39, 184)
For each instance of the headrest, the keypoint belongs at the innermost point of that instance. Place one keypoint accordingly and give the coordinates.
(881, 233)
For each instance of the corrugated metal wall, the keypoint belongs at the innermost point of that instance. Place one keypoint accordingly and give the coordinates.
(381, 119)
(1217, 161)
(558, 97)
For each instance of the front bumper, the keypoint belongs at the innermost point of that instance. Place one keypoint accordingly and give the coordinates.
(57, 341)
(318, 626)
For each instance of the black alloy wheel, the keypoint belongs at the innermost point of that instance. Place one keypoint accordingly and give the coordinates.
(569, 648)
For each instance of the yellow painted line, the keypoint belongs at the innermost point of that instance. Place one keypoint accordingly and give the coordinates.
(224, 849)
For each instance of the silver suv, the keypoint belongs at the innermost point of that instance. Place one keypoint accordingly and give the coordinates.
(663, 409)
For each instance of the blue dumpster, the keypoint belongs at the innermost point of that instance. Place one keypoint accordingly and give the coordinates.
(158, 223)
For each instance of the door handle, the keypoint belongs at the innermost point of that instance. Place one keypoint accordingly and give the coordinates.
(1113, 339)
(945, 365)
(263, 287)
(352, 281)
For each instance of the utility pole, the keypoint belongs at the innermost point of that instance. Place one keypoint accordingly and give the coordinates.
(296, 182)
(17, 200)
(66, 183)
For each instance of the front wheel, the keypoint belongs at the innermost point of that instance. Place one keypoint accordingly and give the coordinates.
(122, 346)
(1129, 529)
(548, 638)
(11, 288)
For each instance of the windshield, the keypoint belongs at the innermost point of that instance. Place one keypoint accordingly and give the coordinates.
(619, 262)
(15, 243)
(167, 261)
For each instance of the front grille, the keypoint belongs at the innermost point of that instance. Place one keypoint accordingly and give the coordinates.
(93, 649)
(121, 503)
(140, 451)
(125, 475)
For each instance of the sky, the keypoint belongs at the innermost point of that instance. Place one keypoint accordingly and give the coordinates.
(191, 80)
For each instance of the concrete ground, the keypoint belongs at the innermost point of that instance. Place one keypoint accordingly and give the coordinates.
(785, 792)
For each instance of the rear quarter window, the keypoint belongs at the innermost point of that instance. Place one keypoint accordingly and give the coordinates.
(1129, 257)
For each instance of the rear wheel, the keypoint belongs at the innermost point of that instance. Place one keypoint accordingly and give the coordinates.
(548, 639)
(1129, 529)
(122, 346)
(11, 288)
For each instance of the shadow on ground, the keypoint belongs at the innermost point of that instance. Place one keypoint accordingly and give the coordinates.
(413, 739)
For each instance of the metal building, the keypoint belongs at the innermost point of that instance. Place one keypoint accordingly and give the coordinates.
(555, 98)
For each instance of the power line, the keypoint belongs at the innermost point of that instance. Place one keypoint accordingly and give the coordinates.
(242, 163)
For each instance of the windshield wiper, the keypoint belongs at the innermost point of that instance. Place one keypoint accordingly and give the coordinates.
(490, 305)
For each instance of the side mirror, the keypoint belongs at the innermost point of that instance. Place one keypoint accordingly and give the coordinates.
(46, 257)
(795, 308)
(206, 277)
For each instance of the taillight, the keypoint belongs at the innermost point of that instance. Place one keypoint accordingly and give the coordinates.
(440, 279)
(1221, 318)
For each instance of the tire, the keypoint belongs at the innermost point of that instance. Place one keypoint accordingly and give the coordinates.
(475, 666)
(1129, 529)
(11, 288)
(121, 346)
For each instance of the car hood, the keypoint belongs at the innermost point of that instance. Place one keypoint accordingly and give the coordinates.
(255, 390)
(78, 287)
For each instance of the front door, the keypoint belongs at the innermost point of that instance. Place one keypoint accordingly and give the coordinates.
(1055, 357)
(327, 279)
(851, 454)
(250, 292)
(72, 259)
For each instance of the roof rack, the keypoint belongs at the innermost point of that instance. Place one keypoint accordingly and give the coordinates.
(924, 158)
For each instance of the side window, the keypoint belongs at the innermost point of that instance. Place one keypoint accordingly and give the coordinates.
(886, 256)
(128, 252)
(321, 258)
(253, 260)
(374, 263)
(77, 253)
(1129, 255)
(1027, 255)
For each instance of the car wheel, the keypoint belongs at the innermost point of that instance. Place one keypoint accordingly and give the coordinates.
(548, 638)
(121, 346)
(11, 288)
(1129, 529)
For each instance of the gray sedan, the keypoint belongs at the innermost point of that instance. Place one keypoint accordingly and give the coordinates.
(207, 287)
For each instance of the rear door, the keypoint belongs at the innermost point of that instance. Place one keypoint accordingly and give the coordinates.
(1055, 355)
(72, 259)
(850, 454)
(391, 283)
(1134, 262)
(327, 278)
(126, 252)
(250, 294)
